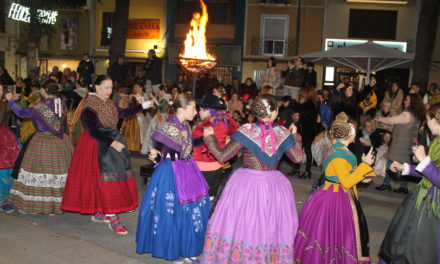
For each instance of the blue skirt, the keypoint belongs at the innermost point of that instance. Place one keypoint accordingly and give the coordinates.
(167, 228)
(5, 185)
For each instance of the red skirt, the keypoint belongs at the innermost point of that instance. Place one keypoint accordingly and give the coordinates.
(86, 193)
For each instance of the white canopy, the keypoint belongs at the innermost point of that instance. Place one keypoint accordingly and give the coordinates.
(368, 57)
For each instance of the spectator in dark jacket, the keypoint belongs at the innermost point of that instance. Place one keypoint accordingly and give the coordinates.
(309, 110)
(119, 72)
(249, 87)
(86, 69)
(153, 69)
(310, 76)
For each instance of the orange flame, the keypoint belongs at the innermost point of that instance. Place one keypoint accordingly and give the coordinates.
(195, 43)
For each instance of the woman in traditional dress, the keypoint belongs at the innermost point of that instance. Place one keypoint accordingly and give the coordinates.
(255, 220)
(332, 227)
(162, 103)
(212, 115)
(174, 214)
(414, 236)
(43, 171)
(135, 127)
(9, 149)
(101, 181)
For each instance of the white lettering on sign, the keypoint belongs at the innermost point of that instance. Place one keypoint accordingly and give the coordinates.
(22, 13)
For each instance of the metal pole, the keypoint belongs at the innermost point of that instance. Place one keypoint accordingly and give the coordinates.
(194, 85)
(368, 70)
(298, 27)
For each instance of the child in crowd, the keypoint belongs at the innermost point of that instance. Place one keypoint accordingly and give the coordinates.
(381, 160)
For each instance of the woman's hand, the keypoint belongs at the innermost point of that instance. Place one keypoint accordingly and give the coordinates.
(11, 96)
(207, 131)
(369, 158)
(419, 152)
(153, 154)
(396, 166)
(118, 146)
(293, 129)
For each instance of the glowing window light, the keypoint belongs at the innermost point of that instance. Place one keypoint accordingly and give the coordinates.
(22, 13)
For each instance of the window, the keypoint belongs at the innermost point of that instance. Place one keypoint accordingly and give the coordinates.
(220, 11)
(107, 26)
(274, 33)
(372, 24)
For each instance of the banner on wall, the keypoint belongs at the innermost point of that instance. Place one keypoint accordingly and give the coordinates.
(69, 33)
(143, 29)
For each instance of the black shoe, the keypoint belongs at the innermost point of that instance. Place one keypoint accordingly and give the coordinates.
(306, 174)
(294, 173)
(403, 190)
(384, 187)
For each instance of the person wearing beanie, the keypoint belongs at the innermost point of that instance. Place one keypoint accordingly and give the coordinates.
(212, 114)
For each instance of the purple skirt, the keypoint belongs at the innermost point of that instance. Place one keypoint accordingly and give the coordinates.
(329, 230)
(255, 220)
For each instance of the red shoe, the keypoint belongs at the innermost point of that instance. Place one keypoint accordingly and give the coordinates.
(117, 226)
(100, 218)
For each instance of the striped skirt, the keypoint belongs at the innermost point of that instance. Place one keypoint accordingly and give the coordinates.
(43, 171)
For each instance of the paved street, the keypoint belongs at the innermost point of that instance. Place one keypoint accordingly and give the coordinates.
(73, 238)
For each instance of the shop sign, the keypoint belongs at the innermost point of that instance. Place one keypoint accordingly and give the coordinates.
(341, 43)
(22, 13)
(143, 29)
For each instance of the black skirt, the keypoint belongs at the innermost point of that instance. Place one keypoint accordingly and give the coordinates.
(412, 237)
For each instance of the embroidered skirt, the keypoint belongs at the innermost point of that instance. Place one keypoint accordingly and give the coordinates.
(166, 228)
(332, 229)
(255, 220)
(42, 174)
(413, 237)
(100, 178)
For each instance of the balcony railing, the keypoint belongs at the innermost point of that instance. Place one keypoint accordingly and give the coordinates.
(273, 47)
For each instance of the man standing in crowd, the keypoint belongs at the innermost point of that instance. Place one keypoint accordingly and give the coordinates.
(86, 69)
(153, 69)
(119, 71)
(294, 76)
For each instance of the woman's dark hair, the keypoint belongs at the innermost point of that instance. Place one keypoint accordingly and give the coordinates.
(81, 83)
(182, 101)
(250, 79)
(433, 109)
(36, 84)
(162, 87)
(53, 89)
(259, 107)
(390, 91)
(416, 106)
(274, 62)
(102, 78)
